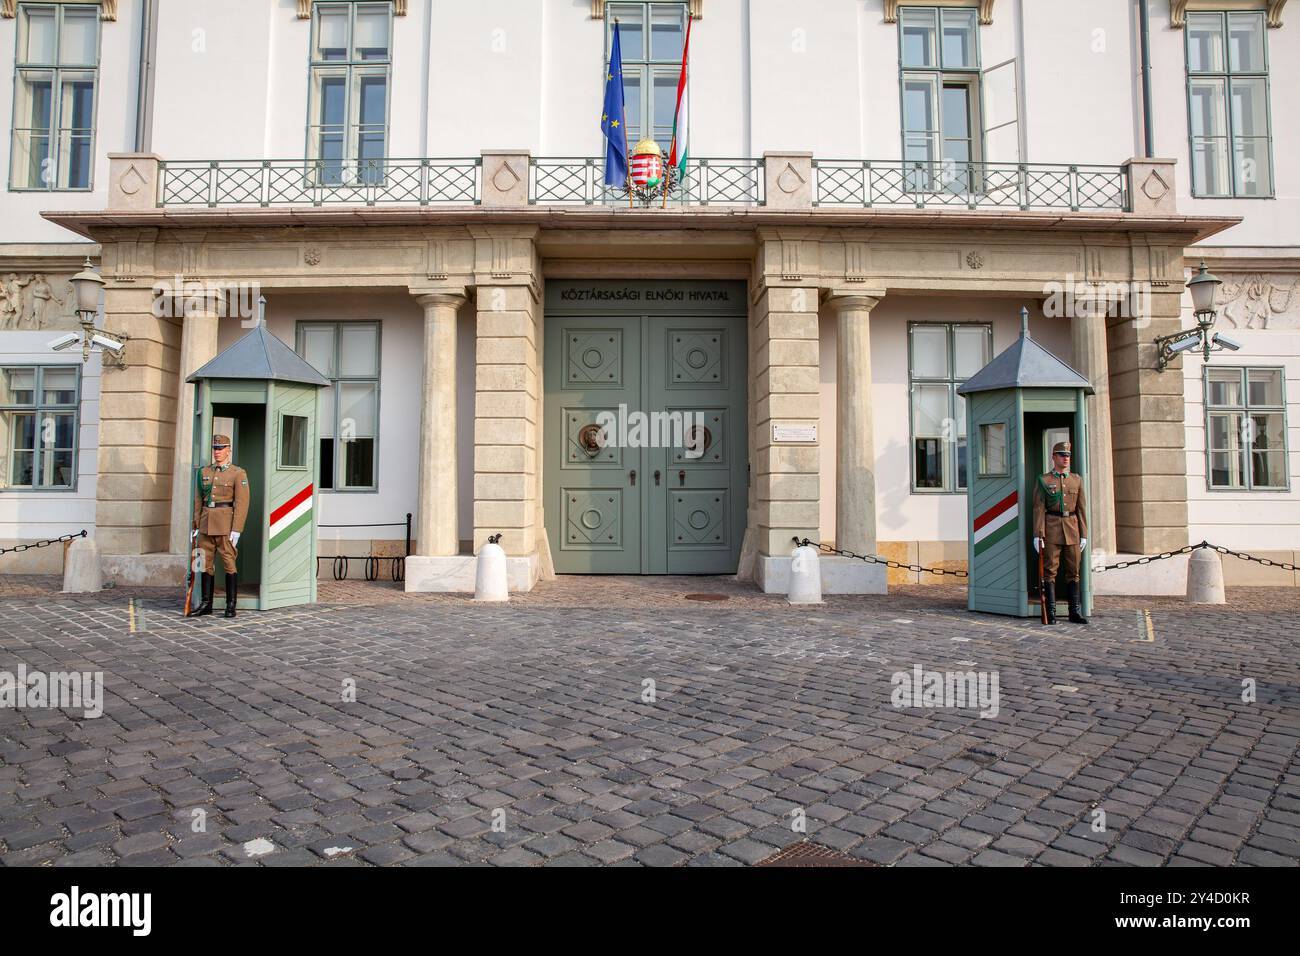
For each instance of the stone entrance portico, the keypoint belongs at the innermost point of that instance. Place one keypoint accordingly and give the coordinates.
(806, 267)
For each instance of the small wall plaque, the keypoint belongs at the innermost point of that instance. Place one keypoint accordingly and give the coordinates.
(794, 432)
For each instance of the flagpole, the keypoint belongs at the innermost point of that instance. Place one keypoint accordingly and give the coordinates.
(672, 146)
(627, 151)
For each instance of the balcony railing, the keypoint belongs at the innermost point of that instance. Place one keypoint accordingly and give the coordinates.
(318, 182)
(709, 182)
(921, 185)
(580, 181)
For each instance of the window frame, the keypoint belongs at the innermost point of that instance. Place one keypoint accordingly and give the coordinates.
(981, 471)
(353, 71)
(1244, 409)
(56, 70)
(335, 381)
(37, 407)
(941, 76)
(1226, 76)
(280, 462)
(952, 470)
(646, 67)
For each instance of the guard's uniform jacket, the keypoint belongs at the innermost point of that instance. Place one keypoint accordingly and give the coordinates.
(1061, 520)
(220, 507)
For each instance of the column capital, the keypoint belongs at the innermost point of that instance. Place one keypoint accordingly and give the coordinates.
(435, 298)
(857, 300)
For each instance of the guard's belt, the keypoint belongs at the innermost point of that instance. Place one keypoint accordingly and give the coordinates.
(222, 504)
(1061, 514)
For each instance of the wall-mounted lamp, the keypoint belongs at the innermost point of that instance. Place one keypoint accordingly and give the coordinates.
(86, 286)
(1203, 286)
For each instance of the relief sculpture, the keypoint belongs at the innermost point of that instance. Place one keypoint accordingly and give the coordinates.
(35, 301)
(1258, 301)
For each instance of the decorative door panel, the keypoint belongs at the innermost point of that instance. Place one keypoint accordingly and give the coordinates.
(592, 489)
(696, 515)
(699, 520)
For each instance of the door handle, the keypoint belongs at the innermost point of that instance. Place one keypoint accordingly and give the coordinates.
(681, 477)
(632, 473)
(656, 477)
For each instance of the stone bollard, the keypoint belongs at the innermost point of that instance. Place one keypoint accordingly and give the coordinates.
(82, 572)
(805, 576)
(1205, 578)
(490, 583)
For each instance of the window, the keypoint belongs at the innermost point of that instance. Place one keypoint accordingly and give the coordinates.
(38, 427)
(57, 66)
(348, 107)
(940, 357)
(1245, 428)
(939, 59)
(293, 441)
(347, 353)
(993, 449)
(652, 36)
(1227, 105)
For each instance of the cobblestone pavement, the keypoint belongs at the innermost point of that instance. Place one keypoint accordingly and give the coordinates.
(762, 714)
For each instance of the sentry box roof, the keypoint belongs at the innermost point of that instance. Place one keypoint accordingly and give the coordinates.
(260, 356)
(1025, 365)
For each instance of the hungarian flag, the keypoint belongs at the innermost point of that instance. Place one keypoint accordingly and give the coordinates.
(681, 127)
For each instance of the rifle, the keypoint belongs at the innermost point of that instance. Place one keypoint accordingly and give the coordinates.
(189, 583)
(1042, 585)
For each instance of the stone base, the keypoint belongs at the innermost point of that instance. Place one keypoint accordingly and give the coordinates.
(145, 570)
(1167, 578)
(454, 574)
(839, 575)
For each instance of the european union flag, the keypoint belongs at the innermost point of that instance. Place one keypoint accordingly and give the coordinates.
(611, 118)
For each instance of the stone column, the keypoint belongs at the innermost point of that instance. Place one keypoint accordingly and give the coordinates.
(855, 472)
(506, 426)
(784, 345)
(1088, 334)
(436, 530)
(1147, 410)
(198, 347)
(137, 436)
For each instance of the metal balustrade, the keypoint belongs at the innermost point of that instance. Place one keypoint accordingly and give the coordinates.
(579, 181)
(922, 185)
(319, 182)
(716, 182)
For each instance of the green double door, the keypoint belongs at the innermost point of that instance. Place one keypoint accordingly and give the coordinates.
(657, 483)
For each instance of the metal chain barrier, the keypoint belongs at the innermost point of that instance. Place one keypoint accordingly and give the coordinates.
(43, 544)
(877, 559)
(1147, 559)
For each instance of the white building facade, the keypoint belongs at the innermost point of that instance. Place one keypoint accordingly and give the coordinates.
(874, 191)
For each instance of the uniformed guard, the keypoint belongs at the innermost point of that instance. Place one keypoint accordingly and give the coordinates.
(1061, 529)
(220, 509)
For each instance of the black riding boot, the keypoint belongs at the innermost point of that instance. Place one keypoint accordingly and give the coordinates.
(206, 584)
(232, 593)
(1076, 612)
(1051, 601)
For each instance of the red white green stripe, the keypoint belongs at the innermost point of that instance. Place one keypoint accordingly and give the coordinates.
(998, 522)
(681, 125)
(289, 517)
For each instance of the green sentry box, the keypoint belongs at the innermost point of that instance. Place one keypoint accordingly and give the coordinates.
(272, 396)
(1026, 399)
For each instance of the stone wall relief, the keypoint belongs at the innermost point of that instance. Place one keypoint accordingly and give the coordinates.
(36, 300)
(1260, 301)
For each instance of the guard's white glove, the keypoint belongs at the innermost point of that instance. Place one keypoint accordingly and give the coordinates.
(234, 538)
(1083, 543)
(194, 534)
(1038, 545)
